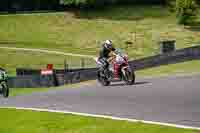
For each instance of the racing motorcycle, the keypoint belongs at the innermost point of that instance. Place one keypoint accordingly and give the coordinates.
(4, 89)
(118, 64)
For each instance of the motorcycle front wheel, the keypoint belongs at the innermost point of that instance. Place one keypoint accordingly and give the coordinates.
(129, 76)
(102, 79)
(5, 89)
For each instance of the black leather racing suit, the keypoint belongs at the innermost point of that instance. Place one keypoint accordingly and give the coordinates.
(103, 57)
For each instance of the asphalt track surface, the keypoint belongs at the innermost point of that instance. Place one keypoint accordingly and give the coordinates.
(174, 100)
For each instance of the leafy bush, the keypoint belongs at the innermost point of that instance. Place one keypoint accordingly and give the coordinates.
(171, 4)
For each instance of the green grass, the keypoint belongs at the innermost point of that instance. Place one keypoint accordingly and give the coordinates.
(82, 33)
(11, 60)
(180, 68)
(26, 91)
(21, 121)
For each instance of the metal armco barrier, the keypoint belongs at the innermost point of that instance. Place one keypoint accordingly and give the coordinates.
(34, 81)
(177, 56)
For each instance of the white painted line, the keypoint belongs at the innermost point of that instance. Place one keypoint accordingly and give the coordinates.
(103, 116)
(48, 51)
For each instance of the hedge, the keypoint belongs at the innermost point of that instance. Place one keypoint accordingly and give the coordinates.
(100, 3)
(21, 5)
(26, 5)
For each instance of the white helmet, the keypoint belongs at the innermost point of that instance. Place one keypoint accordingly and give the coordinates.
(108, 44)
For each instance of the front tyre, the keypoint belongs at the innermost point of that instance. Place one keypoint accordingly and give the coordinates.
(5, 89)
(103, 79)
(129, 76)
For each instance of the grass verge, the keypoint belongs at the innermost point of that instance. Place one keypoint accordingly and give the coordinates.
(179, 68)
(21, 121)
(11, 59)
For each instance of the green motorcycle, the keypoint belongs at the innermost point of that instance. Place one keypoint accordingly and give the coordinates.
(4, 89)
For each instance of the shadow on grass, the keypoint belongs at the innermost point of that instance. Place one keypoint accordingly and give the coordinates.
(29, 12)
(195, 26)
(134, 13)
(31, 43)
(117, 12)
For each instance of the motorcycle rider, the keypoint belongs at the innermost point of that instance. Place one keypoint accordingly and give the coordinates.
(104, 55)
(2, 74)
(4, 81)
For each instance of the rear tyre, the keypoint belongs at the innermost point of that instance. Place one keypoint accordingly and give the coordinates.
(105, 82)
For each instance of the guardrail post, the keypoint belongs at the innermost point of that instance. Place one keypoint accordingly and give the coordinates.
(82, 63)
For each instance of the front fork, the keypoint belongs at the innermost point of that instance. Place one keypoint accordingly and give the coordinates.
(124, 69)
(1, 85)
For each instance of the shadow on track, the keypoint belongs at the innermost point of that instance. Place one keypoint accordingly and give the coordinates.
(123, 84)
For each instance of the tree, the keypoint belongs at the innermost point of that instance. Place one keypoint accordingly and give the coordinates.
(186, 11)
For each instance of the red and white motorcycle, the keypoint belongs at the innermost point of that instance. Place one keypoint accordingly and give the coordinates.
(118, 69)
